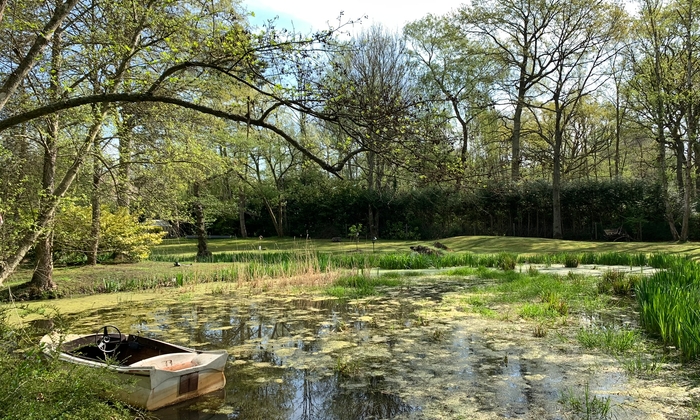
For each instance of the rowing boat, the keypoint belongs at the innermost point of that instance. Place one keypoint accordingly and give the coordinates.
(149, 373)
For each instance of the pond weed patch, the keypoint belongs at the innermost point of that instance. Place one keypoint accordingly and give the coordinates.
(427, 333)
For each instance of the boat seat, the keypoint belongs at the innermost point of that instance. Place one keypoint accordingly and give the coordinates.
(171, 362)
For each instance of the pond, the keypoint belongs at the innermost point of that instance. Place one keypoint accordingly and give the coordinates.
(412, 353)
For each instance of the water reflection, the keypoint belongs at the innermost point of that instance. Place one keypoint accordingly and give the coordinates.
(375, 358)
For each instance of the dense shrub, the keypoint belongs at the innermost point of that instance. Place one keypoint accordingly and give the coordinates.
(120, 234)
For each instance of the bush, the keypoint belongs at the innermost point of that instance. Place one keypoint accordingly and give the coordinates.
(121, 236)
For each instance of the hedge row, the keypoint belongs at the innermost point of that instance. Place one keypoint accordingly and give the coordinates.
(522, 209)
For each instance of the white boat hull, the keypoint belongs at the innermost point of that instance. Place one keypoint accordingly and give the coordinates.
(176, 375)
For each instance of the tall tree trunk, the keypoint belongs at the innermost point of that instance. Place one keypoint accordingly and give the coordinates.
(96, 211)
(556, 190)
(241, 212)
(691, 126)
(696, 165)
(202, 247)
(517, 120)
(42, 278)
(276, 221)
(124, 172)
(618, 133)
(663, 181)
(659, 120)
(680, 157)
(373, 180)
(685, 225)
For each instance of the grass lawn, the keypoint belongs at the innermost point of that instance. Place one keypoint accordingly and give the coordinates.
(476, 244)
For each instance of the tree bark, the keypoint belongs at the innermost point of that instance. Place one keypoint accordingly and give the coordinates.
(124, 180)
(42, 278)
(556, 188)
(96, 211)
(3, 4)
(202, 247)
(241, 212)
(515, 137)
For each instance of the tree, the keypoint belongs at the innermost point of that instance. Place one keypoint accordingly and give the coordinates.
(518, 32)
(374, 103)
(654, 91)
(459, 73)
(581, 38)
(171, 56)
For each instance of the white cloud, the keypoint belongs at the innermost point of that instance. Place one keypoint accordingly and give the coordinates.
(318, 14)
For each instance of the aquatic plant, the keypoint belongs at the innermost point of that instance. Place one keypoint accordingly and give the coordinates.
(360, 285)
(571, 260)
(618, 283)
(642, 365)
(587, 406)
(506, 261)
(555, 302)
(670, 306)
(611, 340)
(540, 330)
(347, 368)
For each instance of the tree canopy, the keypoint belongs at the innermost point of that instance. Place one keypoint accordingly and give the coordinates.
(184, 111)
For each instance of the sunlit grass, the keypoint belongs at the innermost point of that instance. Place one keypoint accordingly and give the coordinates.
(459, 244)
(609, 340)
(537, 311)
(360, 285)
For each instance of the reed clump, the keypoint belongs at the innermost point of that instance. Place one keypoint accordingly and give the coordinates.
(669, 304)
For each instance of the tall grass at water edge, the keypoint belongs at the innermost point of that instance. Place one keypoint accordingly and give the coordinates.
(605, 258)
(670, 306)
(407, 261)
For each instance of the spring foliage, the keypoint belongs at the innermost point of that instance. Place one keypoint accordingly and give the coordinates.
(121, 235)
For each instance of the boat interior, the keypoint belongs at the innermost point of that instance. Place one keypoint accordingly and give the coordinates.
(123, 349)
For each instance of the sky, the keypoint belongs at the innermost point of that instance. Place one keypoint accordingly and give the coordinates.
(305, 15)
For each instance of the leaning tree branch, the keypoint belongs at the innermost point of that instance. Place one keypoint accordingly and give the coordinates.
(30, 58)
(140, 97)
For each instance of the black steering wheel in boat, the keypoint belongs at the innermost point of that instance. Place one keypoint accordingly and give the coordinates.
(106, 341)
